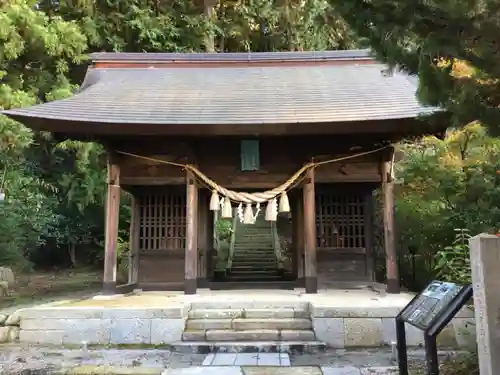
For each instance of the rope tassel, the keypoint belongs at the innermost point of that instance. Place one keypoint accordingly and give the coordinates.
(248, 215)
(227, 210)
(284, 203)
(215, 201)
(271, 212)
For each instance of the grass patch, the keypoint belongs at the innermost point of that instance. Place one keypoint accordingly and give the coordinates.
(459, 364)
(41, 286)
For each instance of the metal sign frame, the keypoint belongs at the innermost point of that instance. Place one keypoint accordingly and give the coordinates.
(436, 325)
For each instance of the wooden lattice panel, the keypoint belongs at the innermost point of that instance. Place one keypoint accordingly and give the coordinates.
(340, 221)
(162, 222)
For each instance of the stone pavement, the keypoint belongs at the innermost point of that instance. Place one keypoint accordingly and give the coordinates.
(21, 359)
(265, 370)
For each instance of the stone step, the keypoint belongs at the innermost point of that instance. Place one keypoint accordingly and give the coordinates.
(250, 335)
(291, 347)
(248, 268)
(251, 253)
(253, 271)
(247, 324)
(262, 304)
(260, 249)
(256, 335)
(253, 278)
(262, 260)
(249, 261)
(249, 313)
(252, 247)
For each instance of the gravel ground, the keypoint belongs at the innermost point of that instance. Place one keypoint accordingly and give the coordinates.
(15, 358)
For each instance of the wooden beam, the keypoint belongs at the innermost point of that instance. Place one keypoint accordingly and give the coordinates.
(112, 221)
(310, 277)
(393, 285)
(191, 257)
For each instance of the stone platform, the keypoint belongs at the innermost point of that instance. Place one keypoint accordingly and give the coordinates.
(339, 318)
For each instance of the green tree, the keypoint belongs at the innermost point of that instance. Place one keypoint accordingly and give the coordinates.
(447, 185)
(452, 46)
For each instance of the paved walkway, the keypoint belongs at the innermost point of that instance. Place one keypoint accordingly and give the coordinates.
(16, 358)
(263, 370)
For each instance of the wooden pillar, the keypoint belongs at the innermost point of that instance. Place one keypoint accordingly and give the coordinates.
(204, 237)
(389, 237)
(310, 277)
(299, 237)
(133, 266)
(191, 256)
(112, 221)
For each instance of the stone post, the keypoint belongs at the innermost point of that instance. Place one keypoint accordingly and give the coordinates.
(485, 266)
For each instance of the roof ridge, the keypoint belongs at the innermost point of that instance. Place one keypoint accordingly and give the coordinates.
(355, 54)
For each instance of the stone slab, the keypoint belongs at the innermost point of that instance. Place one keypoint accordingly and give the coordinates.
(282, 371)
(285, 359)
(194, 335)
(205, 324)
(224, 359)
(130, 331)
(328, 311)
(222, 370)
(208, 360)
(110, 370)
(246, 359)
(269, 359)
(54, 337)
(166, 331)
(248, 335)
(244, 303)
(362, 332)
(341, 371)
(281, 313)
(330, 331)
(215, 313)
(293, 335)
(261, 324)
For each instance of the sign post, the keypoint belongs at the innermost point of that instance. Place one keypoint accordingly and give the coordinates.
(430, 311)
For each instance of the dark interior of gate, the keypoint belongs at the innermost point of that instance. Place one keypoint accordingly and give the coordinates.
(344, 209)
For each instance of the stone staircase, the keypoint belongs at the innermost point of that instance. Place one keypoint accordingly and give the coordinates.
(248, 324)
(254, 258)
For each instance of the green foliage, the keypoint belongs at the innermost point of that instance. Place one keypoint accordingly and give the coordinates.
(450, 44)
(446, 184)
(224, 229)
(453, 262)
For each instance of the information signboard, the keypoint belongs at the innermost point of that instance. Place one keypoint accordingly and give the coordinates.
(430, 311)
(429, 304)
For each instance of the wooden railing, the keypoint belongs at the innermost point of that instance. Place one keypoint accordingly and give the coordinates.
(277, 245)
(231, 244)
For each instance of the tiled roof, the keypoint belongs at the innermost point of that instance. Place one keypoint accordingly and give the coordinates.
(237, 95)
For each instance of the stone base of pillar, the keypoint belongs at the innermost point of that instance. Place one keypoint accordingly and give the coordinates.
(311, 284)
(190, 286)
(393, 286)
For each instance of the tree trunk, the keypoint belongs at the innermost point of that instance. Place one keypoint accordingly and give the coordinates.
(72, 254)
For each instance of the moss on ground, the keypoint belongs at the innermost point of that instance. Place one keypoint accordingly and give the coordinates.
(459, 364)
